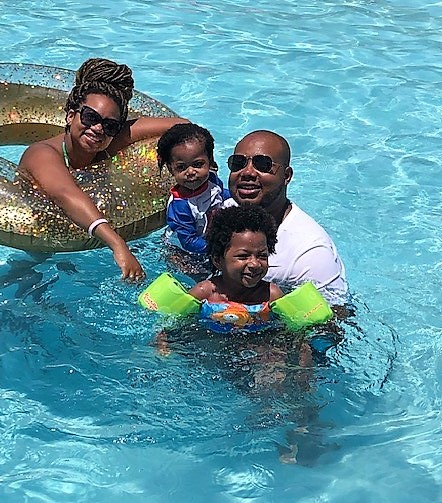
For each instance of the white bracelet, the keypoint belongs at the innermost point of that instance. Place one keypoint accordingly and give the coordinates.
(95, 224)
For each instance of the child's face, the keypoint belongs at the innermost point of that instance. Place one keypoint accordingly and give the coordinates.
(246, 261)
(189, 164)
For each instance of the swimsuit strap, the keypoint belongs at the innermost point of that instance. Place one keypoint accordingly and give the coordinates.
(67, 161)
(65, 155)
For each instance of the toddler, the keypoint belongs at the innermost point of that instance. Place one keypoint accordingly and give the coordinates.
(187, 151)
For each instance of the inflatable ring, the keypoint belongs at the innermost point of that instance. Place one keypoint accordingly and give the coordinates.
(128, 189)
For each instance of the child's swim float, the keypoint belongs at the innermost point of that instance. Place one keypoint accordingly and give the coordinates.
(223, 317)
(303, 307)
(128, 188)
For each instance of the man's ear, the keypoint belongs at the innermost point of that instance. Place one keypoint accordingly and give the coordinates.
(288, 174)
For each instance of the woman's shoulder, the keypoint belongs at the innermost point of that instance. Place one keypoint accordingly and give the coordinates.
(42, 161)
(41, 150)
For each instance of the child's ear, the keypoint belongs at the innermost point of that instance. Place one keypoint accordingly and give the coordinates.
(216, 261)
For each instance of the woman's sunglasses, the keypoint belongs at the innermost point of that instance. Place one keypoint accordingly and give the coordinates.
(262, 163)
(90, 117)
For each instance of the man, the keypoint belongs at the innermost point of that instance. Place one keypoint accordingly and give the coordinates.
(259, 174)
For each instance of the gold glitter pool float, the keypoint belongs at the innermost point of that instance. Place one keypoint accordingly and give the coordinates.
(128, 188)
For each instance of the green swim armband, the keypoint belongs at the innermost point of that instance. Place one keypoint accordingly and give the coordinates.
(167, 295)
(303, 307)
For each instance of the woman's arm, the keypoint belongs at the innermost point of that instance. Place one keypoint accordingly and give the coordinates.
(46, 166)
(142, 128)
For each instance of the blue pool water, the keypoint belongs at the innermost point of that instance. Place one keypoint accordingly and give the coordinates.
(90, 412)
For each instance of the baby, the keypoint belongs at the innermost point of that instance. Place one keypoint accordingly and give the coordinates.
(187, 151)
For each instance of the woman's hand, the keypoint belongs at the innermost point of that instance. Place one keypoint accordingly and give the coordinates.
(129, 265)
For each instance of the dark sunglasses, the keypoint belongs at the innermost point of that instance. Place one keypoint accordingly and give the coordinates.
(90, 117)
(262, 163)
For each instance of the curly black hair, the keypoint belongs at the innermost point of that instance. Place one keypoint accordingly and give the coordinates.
(102, 76)
(182, 133)
(236, 219)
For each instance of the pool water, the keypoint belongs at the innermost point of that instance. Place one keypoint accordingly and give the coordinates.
(90, 411)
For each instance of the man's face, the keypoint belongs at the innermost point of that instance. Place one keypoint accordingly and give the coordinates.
(251, 186)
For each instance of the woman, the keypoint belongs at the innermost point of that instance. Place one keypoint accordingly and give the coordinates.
(96, 128)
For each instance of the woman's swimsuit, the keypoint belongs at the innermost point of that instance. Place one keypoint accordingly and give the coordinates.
(229, 316)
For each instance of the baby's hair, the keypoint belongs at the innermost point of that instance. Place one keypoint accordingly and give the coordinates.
(102, 76)
(236, 219)
(182, 133)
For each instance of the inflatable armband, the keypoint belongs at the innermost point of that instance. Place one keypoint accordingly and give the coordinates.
(167, 295)
(303, 307)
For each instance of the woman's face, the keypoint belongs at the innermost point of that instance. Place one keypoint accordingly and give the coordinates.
(91, 137)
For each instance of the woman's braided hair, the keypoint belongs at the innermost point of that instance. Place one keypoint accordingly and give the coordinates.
(102, 76)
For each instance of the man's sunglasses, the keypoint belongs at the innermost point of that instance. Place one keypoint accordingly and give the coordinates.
(90, 117)
(262, 163)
